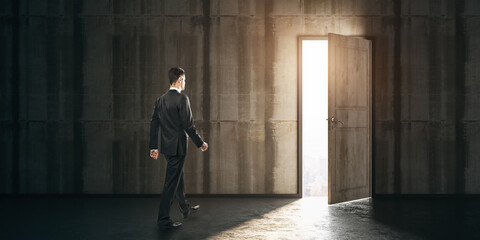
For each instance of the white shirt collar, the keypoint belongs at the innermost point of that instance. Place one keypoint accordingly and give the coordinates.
(178, 90)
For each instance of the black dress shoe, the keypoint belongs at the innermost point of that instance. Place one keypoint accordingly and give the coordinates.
(170, 225)
(191, 210)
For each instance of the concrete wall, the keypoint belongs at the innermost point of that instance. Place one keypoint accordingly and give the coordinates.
(79, 78)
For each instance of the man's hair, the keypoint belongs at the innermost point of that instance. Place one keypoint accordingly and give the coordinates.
(174, 73)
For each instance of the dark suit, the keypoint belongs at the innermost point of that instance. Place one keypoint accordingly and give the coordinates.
(172, 114)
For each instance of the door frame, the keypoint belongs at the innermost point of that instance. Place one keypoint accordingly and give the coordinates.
(300, 111)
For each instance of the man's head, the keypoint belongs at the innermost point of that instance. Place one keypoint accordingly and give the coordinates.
(176, 75)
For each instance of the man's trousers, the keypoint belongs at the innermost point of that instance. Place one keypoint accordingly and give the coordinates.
(173, 187)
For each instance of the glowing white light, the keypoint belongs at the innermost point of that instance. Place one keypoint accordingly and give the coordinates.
(314, 113)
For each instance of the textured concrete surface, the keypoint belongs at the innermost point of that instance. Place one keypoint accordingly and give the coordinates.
(241, 218)
(78, 80)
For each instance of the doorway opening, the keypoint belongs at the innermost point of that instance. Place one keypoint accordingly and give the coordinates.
(335, 84)
(314, 111)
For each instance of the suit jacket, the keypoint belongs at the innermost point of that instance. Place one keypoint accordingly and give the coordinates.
(172, 114)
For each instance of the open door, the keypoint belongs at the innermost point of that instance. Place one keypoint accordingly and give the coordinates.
(349, 109)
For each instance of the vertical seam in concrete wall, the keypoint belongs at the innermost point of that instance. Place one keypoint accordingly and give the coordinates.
(15, 97)
(243, 184)
(206, 93)
(372, 117)
(116, 166)
(78, 98)
(269, 138)
(143, 45)
(51, 48)
(460, 96)
(397, 97)
(433, 102)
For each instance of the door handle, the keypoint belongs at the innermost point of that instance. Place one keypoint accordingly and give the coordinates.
(334, 120)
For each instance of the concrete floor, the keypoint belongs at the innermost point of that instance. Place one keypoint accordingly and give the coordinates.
(241, 218)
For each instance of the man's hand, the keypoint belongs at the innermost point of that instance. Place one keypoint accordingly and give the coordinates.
(154, 153)
(204, 147)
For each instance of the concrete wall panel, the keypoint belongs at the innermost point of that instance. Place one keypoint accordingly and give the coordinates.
(6, 165)
(225, 159)
(473, 154)
(98, 173)
(319, 26)
(362, 7)
(228, 7)
(414, 81)
(441, 158)
(95, 8)
(283, 146)
(414, 158)
(7, 92)
(285, 7)
(8, 97)
(237, 7)
(312, 7)
(471, 7)
(46, 165)
(428, 8)
(7, 9)
(412, 7)
(384, 160)
(472, 85)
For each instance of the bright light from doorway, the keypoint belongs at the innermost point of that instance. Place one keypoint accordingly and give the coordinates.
(314, 113)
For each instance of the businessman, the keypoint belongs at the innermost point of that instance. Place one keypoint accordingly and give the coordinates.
(172, 114)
